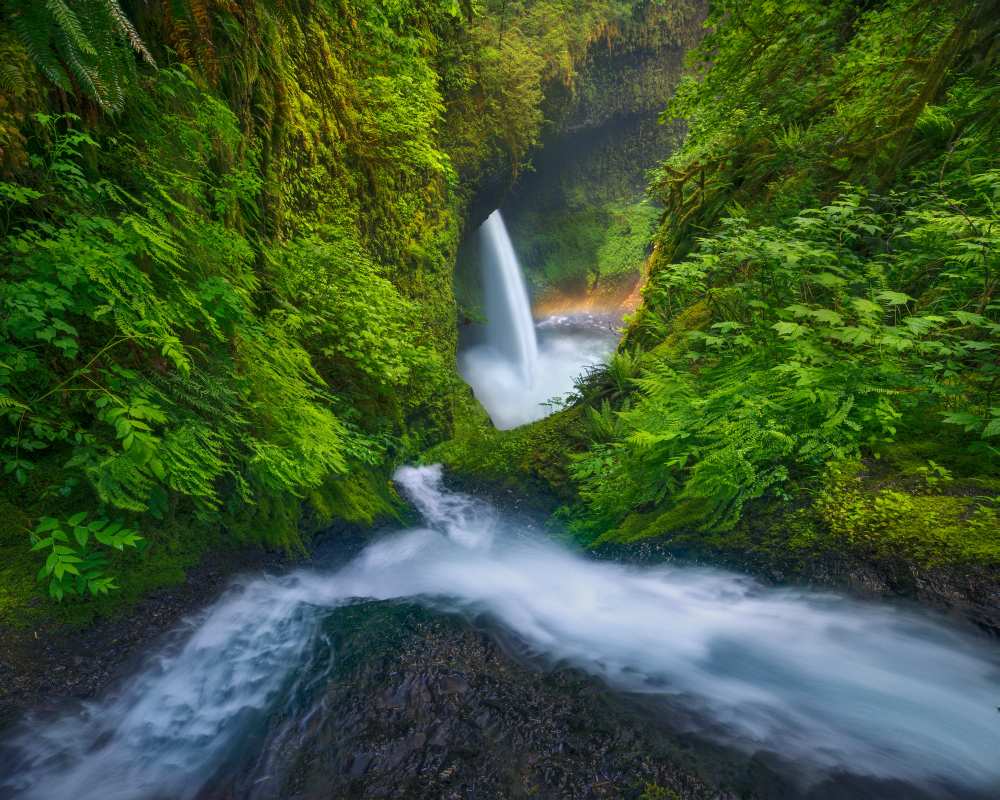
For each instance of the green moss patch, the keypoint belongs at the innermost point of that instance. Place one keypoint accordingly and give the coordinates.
(530, 459)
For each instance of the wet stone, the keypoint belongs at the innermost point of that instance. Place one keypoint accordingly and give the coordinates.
(455, 716)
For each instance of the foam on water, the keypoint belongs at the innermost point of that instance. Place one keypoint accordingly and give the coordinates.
(830, 683)
(566, 347)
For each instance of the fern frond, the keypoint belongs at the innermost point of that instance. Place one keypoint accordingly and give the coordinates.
(127, 29)
(86, 42)
(8, 403)
(121, 483)
(88, 78)
(32, 26)
(70, 25)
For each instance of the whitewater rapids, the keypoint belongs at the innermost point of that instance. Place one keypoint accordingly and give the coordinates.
(829, 683)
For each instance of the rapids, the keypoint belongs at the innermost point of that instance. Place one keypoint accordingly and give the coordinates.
(832, 684)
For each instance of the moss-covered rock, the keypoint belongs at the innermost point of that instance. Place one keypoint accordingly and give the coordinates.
(532, 459)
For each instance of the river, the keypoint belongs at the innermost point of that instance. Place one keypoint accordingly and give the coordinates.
(835, 687)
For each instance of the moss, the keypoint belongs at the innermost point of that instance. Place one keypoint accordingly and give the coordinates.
(171, 547)
(530, 459)
(927, 443)
(653, 791)
(944, 522)
(18, 589)
(859, 514)
(579, 249)
(674, 343)
(360, 498)
(174, 546)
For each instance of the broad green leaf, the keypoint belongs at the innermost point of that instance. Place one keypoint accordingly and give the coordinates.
(968, 422)
(790, 330)
(828, 316)
(894, 298)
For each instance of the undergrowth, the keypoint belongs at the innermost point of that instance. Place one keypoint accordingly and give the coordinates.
(823, 289)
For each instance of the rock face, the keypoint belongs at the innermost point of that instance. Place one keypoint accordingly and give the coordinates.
(419, 705)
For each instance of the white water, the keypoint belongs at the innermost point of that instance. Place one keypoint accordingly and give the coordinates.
(567, 346)
(519, 367)
(828, 682)
(510, 329)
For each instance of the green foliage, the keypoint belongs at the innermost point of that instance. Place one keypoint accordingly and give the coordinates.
(653, 791)
(328, 284)
(833, 317)
(613, 381)
(76, 566)
(226, 309)
(81, 45)
(585, 248)
(248, 410)
(532, 460)
(580, 219)
(785, 100)
(929, 528)
(524, 65)
(809, 358)
(134, 349)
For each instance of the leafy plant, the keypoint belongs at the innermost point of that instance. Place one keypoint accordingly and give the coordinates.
(76, 553)
(85, 44)
(934, 474)
(825, 277)
(226, 307)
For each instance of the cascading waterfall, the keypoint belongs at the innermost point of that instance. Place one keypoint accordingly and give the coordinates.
(833, 685)
(519, 367)
(510, 328)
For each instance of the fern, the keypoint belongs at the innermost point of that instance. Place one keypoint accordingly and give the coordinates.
(817, 351)
(33, 27)
(86, 42)
(69, 27)
(127, 29)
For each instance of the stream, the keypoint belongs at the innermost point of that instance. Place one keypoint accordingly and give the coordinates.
(835, 686)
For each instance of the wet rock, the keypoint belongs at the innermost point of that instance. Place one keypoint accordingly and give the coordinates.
(420, 705)
(46, 669)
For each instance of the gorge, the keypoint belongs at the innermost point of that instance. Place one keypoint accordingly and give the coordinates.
(499, 399)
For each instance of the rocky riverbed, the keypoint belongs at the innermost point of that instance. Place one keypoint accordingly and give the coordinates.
(397, 699)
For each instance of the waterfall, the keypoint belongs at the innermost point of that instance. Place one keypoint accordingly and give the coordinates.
(510, 328)
(512, 373)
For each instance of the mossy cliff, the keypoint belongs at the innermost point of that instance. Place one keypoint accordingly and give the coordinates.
(581, 218)
(809, 386)
(579, 214)
(228, 232)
